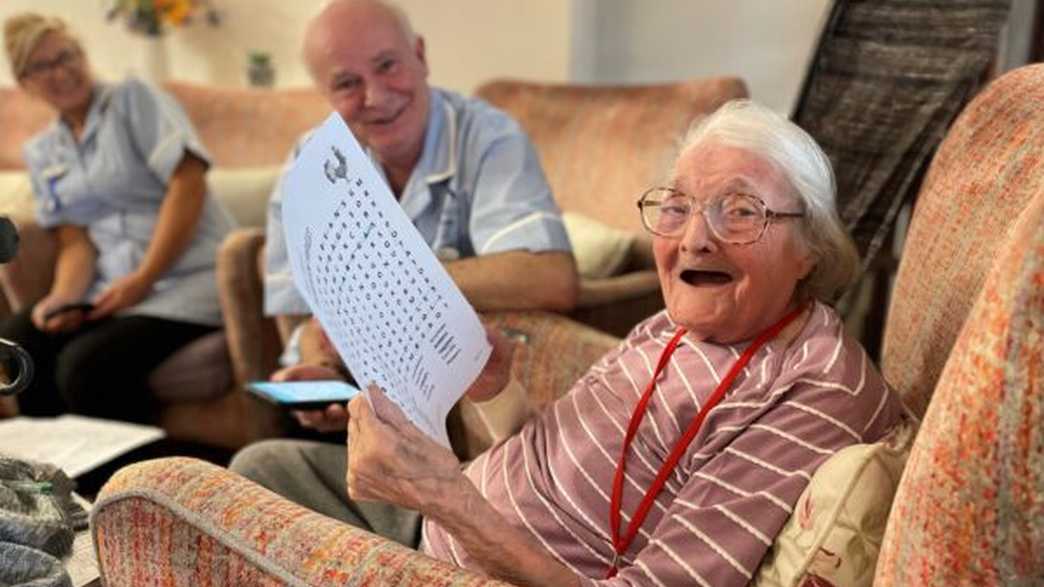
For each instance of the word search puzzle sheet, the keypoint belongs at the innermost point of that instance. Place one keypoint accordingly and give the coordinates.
(385, 301)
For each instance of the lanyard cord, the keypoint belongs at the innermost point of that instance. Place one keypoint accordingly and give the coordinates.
(620, 544)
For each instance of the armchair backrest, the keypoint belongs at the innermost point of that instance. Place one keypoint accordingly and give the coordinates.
(20, 118)
(602, 145)
(970, 507)
(966, 331)
(988, 169)
(242, 127)
(246, 127)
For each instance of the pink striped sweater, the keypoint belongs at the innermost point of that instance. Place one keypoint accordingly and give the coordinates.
(791, 408)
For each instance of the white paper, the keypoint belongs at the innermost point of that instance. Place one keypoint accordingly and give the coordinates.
(75, 444)
(82, 563)
(385, 301)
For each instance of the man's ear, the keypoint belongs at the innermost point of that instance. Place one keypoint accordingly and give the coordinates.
(419, 51)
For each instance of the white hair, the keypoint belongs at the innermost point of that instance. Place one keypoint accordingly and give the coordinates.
(750, 126)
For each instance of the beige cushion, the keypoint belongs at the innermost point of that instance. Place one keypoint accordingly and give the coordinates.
(600, 249)
(244, 191)
(16, 194)
(835, 533)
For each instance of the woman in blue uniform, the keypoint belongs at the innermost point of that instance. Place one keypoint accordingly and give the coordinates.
(119, 180)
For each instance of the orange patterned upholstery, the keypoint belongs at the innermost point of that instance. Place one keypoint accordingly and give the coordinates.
(239, 534)
(601, 146)
(986, 171)
(970, 506)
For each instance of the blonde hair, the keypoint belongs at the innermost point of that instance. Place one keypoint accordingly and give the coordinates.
(23, 32)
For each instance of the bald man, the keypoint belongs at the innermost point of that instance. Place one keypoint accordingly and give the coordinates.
(465, 174)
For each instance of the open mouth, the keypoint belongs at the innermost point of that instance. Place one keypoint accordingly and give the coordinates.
(701, 277)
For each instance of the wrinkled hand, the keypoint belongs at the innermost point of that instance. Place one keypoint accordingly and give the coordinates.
(497, 372)
(64, 322)
(391, 460)
(123, 293)
(335, 417)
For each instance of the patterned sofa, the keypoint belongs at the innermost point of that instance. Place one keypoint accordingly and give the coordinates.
(963, 345)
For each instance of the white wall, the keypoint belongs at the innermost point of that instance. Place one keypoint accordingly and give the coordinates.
(468, 41)
(768, 44)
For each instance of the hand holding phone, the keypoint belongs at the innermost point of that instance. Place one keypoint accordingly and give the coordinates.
(84, 307)
(304, 395)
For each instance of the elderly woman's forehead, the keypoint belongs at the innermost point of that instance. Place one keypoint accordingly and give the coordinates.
(725, 166)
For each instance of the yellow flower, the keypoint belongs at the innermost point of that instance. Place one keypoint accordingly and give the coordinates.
(174, 12)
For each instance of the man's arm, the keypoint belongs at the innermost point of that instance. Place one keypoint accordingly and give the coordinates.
(518, 280)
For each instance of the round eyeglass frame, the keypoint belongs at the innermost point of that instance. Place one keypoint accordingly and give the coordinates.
(770, 215)
(67, 57)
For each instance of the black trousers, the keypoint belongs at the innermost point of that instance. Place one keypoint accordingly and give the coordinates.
(99, 370)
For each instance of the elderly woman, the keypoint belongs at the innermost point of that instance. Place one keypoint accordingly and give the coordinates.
(679, 456)
(119, 181)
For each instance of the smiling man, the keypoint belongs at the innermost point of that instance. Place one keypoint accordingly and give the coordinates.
(464, 172)
(466, 175)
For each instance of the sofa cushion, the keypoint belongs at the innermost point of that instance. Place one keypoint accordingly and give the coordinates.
(600, 250)
(244, 191)
(16, 194)
(835, 533)
(199, 370)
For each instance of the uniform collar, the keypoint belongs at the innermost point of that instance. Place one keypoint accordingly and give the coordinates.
(438, 160)
(100, 98)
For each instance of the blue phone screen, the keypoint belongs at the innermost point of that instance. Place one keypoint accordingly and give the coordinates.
(307, 391)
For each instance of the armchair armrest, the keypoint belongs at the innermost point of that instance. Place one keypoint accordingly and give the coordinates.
(189, 522)
(615, 304)
(27, 277)
(253, 342)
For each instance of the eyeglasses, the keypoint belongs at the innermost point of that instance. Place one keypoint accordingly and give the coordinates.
(64, 58)
(734, 217)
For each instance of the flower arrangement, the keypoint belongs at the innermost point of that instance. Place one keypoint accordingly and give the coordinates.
(154, 17)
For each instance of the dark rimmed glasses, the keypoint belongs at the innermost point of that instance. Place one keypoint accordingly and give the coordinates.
(735, 217)
(64, 58)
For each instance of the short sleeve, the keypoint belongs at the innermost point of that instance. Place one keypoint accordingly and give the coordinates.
(513, 207)
(281, 295)
(161, 130)
(41, 177)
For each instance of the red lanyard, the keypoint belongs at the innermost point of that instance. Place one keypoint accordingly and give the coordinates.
(620, 544)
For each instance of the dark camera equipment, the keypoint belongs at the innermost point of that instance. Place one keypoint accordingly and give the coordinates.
(16, 367)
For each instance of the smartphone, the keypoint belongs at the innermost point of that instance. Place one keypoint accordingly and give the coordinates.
(304, 395)
(78, 306)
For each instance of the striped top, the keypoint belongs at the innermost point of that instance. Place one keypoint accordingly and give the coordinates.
(793, 406)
